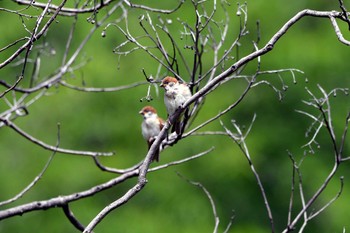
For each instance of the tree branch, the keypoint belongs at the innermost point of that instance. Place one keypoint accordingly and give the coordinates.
(240, 141)
(34, 37)
(49, 147)
(63, 200)
(212, 203)
(69, 214)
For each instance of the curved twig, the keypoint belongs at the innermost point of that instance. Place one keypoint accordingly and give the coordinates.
(49, 147)
(143, 7)
(142, 181)
(35, 37)
(207, 193)
(240, 141)
(102, 89)
(69, 214)
(65, 11)
(38, 177)
(63, 200)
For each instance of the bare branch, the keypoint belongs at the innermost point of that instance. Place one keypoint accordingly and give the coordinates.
(62, 200)
(38, 177)
(344, 136)
(132, 5)
(10, 88)
(181, 161)
(224, 111)
(29, 48)
(338, 32)
(325, 120)
(240, 141)
(102, 89)
(69, 214)
(207, 193)
(208, 33)
(113, 170)
(49, 147)
(331, 201)
(122, 200)
(268, 47)
(142, 181)
(34, 37)
(205, 133)
(136, 166)
(64, 68)
(291, 199)
(65, 11)
(14, 43)
(312, 140)
(230, 223)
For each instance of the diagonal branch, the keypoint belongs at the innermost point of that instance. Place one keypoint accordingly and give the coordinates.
(63, 200)
(212, 203)
(69, 214)
(66, 11)
(267, 48)
(142, 181)
(102, 89)
(38, 177)
(240, 141)
(35, 37)
(49, 147)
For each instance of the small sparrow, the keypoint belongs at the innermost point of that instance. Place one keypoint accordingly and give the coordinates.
(176, 94)
(151, 126)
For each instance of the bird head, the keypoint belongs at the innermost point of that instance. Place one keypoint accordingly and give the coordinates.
(168, 82)
(148, 111)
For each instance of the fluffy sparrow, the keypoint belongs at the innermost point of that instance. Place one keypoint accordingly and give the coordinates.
(175, 95)
(151, 126)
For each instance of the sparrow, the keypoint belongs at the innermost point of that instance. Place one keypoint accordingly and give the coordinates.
(151, 126)
(175, 95)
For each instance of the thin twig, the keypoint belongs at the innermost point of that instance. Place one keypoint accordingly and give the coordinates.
(52, 80)
(291, 199)
(327, 120)
(181, 161)
(38, 177)
(65, 11)
(49, 147)
(143, 7)
(35, 37)
(238, 101)
(331, 201)
(60, 201)
(212, 203)
(69, 214)
(243, 147)
(344, 136)
(230, 223)
(142, 181)
(114, 170)
(64, 199)
(102, 89)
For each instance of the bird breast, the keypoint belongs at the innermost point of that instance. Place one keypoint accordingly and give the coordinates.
(150, 128)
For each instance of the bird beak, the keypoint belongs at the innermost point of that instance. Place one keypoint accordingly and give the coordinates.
(141, 112)
(161, 85)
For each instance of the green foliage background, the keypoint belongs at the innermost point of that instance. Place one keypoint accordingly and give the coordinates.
(110, 122)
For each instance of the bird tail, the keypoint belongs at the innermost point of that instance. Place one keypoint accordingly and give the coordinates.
(177, 126)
